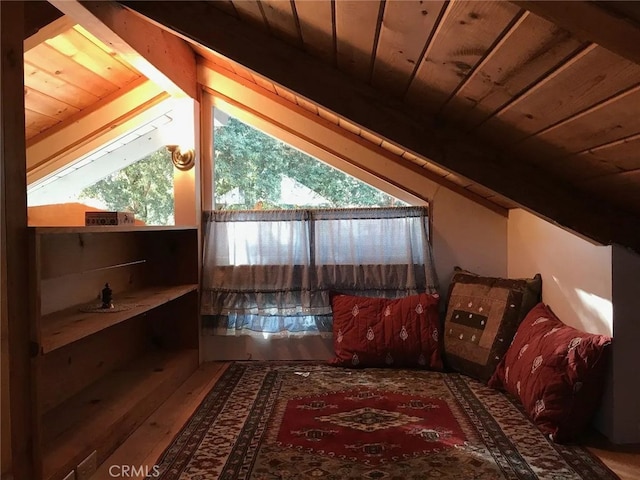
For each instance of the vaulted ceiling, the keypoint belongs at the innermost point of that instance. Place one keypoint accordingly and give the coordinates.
(528, 104)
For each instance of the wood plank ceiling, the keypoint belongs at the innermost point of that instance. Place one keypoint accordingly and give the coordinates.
(497, 72)
(66, 74)
(557, 112)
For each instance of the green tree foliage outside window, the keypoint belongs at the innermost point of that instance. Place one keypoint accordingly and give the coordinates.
(253, 164)
(144, 188)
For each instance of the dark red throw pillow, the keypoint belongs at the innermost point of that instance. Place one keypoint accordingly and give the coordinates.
(556, 371)
(382, 332)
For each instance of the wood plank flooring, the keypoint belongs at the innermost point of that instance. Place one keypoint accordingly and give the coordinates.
(145, 445)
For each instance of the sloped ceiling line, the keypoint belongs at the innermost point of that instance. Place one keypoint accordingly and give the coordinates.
(290, 67)
(158, 54)
(589, 20)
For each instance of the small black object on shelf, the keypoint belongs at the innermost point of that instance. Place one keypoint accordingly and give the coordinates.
(107, 295)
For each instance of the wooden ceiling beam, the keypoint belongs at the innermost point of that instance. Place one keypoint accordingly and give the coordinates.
(393, 120)
(15, 262)
(97, 124)
(590, 21)
(161, 56)
(38, 15)
(56, 27)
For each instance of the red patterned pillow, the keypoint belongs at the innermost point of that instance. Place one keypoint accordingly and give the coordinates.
(556, 371)
(382, 332)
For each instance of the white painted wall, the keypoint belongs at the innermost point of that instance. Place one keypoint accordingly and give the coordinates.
(576, 273)
(594, 288)
(468, 235)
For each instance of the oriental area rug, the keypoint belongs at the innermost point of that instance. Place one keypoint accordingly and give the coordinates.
(266, 420)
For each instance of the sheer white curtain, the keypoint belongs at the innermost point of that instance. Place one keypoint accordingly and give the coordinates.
(271, 272)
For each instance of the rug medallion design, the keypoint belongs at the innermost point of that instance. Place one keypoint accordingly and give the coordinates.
(304, 420)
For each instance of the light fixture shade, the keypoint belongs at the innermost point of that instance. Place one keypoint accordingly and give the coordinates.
(182, 160)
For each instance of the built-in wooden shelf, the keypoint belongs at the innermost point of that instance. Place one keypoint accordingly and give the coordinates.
(101, 416)
(66, 326)
(110, 229)
(97, 375)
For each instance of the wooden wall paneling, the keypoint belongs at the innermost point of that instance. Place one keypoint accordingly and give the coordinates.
(574, 170)
(38, 122)
(50, 30)
(85, 287)
(391, 147)
(445, 146)
(307, 105)
(284, 93)
(103, 121)
(612, 120)
(37, 16)
(327, 115)
(169, 329)
(101, 375)
(14, 246)
(251, 11)
(75, 267)
(103, 415)
(317, 26)
(159, 55)
(88, 54)
(592, 21)
(56, 87)
(370, 137)
(623, 154)
(480, 190)
(67, 253)
(357, 25)
(226, 6)
(67, 371)
(466, 32)
(283, 23)
(53, 62)
(264, 83)
(405, 31)
(243, 72)
(212, 57)
(383, 169)
(591, 77)
(30, 132)
(47, 105)
(623, 189)
(349, 126)
(170, 257)
(532, 48)
(503, 202)
(413, 158)
(433, 168)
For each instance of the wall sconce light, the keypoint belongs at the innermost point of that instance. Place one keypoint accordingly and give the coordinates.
(182, 160)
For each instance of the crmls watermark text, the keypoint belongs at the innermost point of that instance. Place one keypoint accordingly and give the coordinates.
(129, 471)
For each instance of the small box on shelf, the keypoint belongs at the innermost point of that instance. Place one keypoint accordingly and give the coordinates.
(108, 218)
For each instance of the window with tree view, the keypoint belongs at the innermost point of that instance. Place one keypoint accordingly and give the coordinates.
(253, 170)
(132, 173)
(287, 229)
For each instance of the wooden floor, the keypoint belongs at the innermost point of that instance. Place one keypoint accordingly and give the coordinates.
(145, 446)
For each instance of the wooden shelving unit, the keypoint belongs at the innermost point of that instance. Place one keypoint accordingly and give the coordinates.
(99, 374)
(61, 328)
